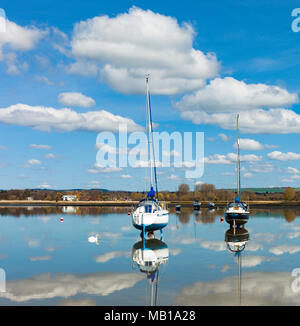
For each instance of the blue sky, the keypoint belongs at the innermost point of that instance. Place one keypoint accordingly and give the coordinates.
(69, 71)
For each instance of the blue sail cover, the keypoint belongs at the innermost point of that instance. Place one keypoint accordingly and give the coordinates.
(237, 199)
(151, 193)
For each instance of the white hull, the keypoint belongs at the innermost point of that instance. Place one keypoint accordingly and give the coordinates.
(151, 221)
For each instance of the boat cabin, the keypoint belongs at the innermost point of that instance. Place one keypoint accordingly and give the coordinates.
(149, 206)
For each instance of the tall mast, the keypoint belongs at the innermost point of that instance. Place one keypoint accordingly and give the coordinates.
(151, 142)
(238, 156)
(149, 130)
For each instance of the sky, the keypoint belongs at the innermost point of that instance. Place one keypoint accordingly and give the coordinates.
(70, 71)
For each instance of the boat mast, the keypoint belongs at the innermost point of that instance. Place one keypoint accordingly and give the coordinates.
(238, 157)
(149, 130)
(151, 142)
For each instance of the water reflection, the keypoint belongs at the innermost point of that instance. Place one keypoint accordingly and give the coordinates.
(70, 209)
(62, 264)
(236, 240)
(149, 257)
(18, 211)
(289, 215)
(206, 216)
(184, 216)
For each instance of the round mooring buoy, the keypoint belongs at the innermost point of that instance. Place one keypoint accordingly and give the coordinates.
(222, 219)
(61, 219)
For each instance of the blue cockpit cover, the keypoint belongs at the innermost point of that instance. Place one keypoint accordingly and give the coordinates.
(151, 276)
(237, 199)
(151, 193)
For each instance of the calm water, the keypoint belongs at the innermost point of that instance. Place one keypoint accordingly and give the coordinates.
(49, 262)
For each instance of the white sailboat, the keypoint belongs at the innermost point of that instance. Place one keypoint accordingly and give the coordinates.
(237, 212)
(149, 214)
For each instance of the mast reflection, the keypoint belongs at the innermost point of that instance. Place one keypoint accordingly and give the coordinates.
(149, 256)
(236, 240)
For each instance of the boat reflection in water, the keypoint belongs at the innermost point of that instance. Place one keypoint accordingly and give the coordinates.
(196, 206)
(236, 239)
(206, 216)
(178, 208)
(149, 256)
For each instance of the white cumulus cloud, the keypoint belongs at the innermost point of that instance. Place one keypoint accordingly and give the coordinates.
(76, 99)
(17, 39)
(254, 122)
(139, 42)
(249, 144)
(47, 118)
(230, 158)
(279, 156)
(231, 95)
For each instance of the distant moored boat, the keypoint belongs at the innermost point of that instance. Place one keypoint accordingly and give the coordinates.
(211, 205)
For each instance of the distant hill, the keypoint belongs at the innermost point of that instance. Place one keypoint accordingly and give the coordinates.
(62, 190)
(267, 190)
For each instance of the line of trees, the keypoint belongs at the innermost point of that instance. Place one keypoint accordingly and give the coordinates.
(201, 192)
(208, 192)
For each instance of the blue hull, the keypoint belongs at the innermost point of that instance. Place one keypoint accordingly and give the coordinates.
(152, 227)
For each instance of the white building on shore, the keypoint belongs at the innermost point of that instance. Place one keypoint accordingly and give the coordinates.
(69, 197)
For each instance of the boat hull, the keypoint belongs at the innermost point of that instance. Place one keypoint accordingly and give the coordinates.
(197, 208)
(150, 222)
(151, 227)
(236, 218)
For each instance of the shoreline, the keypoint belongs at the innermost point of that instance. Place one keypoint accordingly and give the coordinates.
(171, 204)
